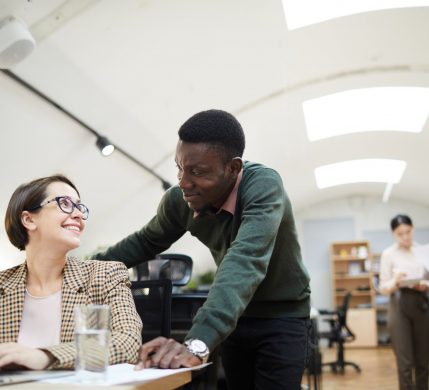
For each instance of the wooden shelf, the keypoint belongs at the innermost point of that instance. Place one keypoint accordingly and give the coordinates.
(351, 243)
(348, 258)
(351, 270)
(355, 294)
(345, 277)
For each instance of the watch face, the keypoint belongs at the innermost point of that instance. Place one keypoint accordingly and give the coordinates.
(198, 346)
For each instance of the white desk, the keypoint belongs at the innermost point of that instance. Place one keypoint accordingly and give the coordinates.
(165, 383)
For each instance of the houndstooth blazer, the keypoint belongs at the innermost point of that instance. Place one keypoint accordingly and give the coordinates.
(85, 282)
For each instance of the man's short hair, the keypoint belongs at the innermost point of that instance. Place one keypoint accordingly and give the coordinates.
(25, 197)
(217, 128)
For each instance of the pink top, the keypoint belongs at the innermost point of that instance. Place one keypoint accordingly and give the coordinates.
(229, 204)
(41, 321)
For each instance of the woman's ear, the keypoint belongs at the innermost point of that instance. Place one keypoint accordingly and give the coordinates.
(27, 220)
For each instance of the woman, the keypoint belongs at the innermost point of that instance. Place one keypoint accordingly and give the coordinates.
(408, 309)
(37, 298)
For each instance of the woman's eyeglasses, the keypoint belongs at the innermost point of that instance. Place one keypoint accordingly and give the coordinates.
(66, 205)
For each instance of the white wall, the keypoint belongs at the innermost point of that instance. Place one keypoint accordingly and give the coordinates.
(369, 213)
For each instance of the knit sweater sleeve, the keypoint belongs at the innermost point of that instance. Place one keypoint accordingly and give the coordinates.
(245, 264)
(157, 235)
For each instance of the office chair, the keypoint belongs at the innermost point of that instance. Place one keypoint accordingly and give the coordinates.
(153, 303)
(339, 334)
(177, 268)
(173, 266)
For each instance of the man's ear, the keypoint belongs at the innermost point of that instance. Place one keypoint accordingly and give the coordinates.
(27, 220)
(236, 166)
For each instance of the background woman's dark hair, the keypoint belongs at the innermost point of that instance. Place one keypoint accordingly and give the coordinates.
(25, 197)
(218, 128)
(400, 219)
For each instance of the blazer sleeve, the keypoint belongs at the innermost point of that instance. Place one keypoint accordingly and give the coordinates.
(110, 286)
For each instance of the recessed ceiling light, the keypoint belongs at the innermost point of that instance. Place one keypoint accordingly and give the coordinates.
(301, 13)
(367, 109)
(387, 192)
(360, 171)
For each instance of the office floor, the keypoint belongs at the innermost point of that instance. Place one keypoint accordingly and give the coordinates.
(378, 370)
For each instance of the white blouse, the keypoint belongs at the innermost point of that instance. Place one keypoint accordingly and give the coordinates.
(41, 321)
(394, 260)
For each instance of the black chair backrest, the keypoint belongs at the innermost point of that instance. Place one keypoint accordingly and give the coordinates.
(184, 308)
(153, 304)
(173, 266)
(342, 310)
(342, 316)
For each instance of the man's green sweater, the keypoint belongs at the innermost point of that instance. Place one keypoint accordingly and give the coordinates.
(260, 272)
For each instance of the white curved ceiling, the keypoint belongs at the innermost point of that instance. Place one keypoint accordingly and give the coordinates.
(134, 70)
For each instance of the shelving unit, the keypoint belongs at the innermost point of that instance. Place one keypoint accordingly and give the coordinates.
(381, 303)
(351, 272)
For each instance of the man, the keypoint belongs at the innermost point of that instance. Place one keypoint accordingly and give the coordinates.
(258, 305)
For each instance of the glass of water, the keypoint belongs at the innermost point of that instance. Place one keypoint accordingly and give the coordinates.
(92, 324)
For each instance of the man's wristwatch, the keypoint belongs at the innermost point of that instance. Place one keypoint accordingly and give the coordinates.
(198, 348)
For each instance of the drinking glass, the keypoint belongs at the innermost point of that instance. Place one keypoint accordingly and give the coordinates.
(92, 342)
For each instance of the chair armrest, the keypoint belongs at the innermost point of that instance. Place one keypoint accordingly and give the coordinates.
(328, 312)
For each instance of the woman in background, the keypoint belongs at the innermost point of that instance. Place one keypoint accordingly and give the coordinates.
(37, 298)
(408, 308)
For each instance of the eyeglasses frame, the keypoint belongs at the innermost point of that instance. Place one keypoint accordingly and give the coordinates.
(57, 200)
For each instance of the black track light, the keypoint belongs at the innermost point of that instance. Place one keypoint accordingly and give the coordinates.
(105, 146)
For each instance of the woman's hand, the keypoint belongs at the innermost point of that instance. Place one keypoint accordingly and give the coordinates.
(15, 354)
(398, 276)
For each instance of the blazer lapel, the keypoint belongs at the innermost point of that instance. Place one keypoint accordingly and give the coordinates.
(73, 294)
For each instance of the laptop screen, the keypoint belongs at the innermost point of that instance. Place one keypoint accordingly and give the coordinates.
(10, 377)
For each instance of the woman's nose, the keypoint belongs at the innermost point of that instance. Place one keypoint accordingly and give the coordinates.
(76, 213)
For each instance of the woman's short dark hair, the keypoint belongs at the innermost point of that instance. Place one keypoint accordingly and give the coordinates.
(25, 197)
(217, 128)
(400, 219)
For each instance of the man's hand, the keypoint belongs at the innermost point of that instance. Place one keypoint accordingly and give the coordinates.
(165, 353)
(15, 354)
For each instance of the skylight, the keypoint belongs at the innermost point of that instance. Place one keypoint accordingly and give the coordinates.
(360, 171)
(301, 13)
(367, 109)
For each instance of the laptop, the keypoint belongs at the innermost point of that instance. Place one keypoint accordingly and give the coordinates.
(12, 377)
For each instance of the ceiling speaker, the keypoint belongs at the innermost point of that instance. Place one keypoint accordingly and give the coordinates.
(16, 42)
